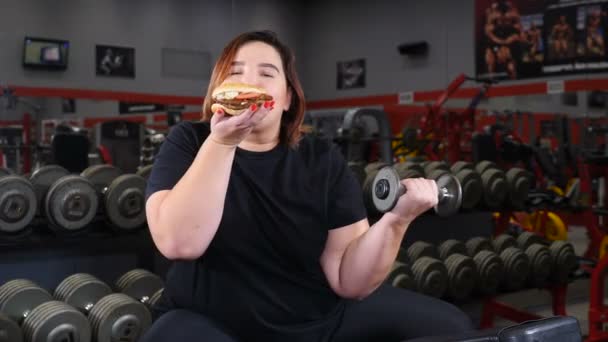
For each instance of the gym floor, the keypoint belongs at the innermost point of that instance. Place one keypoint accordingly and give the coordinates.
(539, 301)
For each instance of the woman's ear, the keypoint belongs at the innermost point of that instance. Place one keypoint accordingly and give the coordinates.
(288, 97)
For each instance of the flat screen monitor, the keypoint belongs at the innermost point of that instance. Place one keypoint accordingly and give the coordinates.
(43, 53)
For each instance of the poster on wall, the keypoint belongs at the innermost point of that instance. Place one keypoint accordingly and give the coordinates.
(521, 39)
(114, 61)
(351, 74)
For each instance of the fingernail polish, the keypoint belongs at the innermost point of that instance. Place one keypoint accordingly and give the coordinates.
(220, 111)
(271, 104)
(254, 107)
(267, 104)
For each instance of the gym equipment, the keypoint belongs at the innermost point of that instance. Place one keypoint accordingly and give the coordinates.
(41, 318)
(9, 330)
(68, 201)
(383, 189)
(375, 166)
(122, 196)
(139, 284)
(563, 261)
(435, 165)
(400, 276)
(461, 165)
(156, 297)
(484, 165)
(516, 268)
(527, 239)
(472, 190)
(490, 269)
(495, 187)
(146, 170)
(431, 276)
(519, 185)
(409, 170)
(540, 265)
(357, 169)
(18, 202)
(462, 271)
(478, 244)
(112, 316)
(503, 241)
(421, 249)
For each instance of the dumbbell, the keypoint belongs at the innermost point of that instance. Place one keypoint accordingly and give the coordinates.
(140, 285)
(18, 203)
(68, 202)
(472, 190)
(41, 318)
(9, 330)
(400, 276)
(494, 182)
(145, 171)
(516, 262)
(462, 271)
(430, 274)
(409, 170)
(432, 166)
(155, 298)
(375, 166)
(539, 256)
(489, 266)
(112, 316)
(382, 189)
(563, 261)
(518, 180)
(122, 196)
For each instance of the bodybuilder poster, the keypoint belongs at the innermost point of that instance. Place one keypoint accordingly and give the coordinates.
(520, 39)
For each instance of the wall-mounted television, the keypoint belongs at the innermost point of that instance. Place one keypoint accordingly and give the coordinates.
(44, 53)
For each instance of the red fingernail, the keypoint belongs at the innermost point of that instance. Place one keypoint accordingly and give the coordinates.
(271, 104)
(254, 107)
(220, 111)
(266, 104)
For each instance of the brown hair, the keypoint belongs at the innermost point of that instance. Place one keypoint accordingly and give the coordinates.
(291, 120)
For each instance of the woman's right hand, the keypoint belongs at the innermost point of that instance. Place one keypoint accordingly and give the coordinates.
(231, 130)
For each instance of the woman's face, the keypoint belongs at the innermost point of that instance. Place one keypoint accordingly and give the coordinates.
(260, 64)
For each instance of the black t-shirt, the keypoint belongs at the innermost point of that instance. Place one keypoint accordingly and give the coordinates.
(261, 276)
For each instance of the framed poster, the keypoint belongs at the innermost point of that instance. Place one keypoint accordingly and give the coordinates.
(114, 61)
(351, 74)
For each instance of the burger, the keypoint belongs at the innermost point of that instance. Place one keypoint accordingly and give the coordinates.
(235, 98)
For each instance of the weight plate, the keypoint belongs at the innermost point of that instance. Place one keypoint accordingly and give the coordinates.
(118, 317)
(435, 174)
(158, 294)
(357, 169)
(527, 239)
(478, 244)
(384, 190)
(18, 204)
(490, 270)
(503, 241)
(55, 321)
(472, 190)
(450, 195)
(139, 284)
(495, 187)
(5, 172)
(519, 186)
(431, 276)
(368, 192)
(147, 170)
(409, 170)
(101, 175)
(540, 265)
(421, 249)
(484, 165)
(400, 276)
(435, 165)
(462, 276)
(125, 202)
(9, 330)
(402, 256)
(43, 178)
(71, 204)
(516, 267)
(82, 291)
(461, 165)
(449, 247)
(20, 296)
(374, 166)
(564, 261)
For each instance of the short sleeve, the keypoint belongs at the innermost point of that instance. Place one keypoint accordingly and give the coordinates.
(175, 156)
(345, 197)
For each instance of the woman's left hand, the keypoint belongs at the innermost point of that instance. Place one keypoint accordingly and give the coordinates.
(421, 195)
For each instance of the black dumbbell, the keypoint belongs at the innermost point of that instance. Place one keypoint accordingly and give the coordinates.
(472, 189)
(563, 261)
(462, 271)
(112, 316)
(539, 256)
(9, 330)
(68, 202)
(490, 266)
(18, 203)
(430, 274)
(140, 285)
(122, 196)
(400, 276)
(41, 318)
(502, 242)
(494, 181)
(382, 189)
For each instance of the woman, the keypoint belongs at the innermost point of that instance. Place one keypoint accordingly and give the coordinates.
(268, 229)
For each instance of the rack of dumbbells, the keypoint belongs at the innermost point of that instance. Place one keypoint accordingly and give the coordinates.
(93, 222)
(81, 307)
